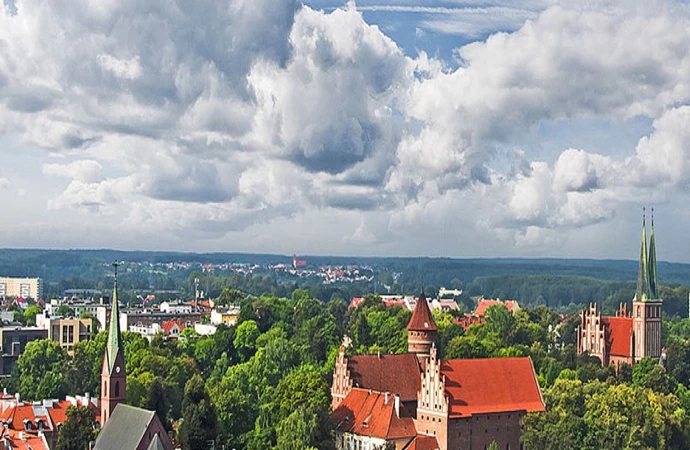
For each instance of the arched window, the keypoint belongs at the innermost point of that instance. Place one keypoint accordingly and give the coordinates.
(105, 388)
(117, 389)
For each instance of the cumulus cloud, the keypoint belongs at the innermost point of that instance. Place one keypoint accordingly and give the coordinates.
(5, 183)
(225, 114)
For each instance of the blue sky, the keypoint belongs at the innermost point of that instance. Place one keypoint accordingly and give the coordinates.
(454, 128)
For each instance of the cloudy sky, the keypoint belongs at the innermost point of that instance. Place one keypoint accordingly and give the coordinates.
(394, 127)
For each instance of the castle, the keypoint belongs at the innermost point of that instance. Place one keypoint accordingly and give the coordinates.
(417, 401)
(628, 336)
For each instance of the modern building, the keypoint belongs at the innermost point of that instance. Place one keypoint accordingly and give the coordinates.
(14, 341)
(417, 401)
(21, 287)
(68, 332)
(628, 336)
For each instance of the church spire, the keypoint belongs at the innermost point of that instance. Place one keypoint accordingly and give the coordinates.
(642, 293)
(114, 344)
(653, 284)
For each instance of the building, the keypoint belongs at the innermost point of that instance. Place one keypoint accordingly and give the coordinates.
(66, 331)
(21, 287)
(172, 328)
(485, 304)
(225, 316)
(131, 428)
(176, 308)
(113, 371)
(409, 302)
(416, 400)
(628, 336)
(36, 425)
(14, 341)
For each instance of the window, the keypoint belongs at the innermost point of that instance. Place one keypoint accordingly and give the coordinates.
(117, 389)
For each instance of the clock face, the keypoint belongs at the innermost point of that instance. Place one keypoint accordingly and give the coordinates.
(117, 369)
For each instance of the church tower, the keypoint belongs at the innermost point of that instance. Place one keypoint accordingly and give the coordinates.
(421, 331)
(113, 373)
(647, 306)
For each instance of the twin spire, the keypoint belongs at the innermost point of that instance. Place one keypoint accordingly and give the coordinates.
(647, 285)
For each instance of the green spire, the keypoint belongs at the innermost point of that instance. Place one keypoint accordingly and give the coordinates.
(653, 285)
(114, 344)
(642, 293)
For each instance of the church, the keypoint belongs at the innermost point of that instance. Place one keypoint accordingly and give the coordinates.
(417, 401)
(124, 427)
(628, 336)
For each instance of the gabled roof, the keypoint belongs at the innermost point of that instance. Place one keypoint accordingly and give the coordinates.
(125, 429)
(619, 332)
(421, 317)
(423, 442)
(493, 385)
(167, 326)
(366, 413)
(399, 374)
(156, 444)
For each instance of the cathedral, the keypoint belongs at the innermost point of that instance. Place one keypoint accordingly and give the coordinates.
(417, 401)
(632, 335)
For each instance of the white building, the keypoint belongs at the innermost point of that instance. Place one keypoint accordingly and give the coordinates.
(176, 308)
(21, 287)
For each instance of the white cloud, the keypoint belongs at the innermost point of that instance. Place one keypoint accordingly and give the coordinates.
(5, 183)
(229, 114)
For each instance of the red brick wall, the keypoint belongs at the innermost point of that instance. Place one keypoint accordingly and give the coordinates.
(479, 431)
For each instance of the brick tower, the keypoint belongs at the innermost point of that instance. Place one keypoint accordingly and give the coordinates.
(421, 331)
(113, 373)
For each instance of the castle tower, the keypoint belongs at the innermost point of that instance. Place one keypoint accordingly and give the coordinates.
(421, 331)
(647, 306)
(113, 373)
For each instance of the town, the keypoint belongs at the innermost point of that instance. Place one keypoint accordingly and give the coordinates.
(379, 371)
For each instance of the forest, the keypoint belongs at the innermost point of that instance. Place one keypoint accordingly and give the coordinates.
(265, 383)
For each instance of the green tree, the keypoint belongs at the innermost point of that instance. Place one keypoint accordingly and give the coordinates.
(64, 311)
(229, 297)
(156, 401)
(198, 416)
(78, 430)
(30, 313)
(41, 370)
(245, 339)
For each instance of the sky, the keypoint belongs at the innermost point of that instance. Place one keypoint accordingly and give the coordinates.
(476, 128)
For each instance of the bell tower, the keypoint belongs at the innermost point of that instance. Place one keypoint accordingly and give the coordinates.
(647, 304)
(113, 373)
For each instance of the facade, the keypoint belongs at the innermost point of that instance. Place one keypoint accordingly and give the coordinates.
(417, 401)
(66, 331)
(228, 316)
(628, 336)
(13, 341)
(176, 308)
(21, 287)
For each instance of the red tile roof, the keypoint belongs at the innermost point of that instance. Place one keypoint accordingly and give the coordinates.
(468, 320)
(399, 374)
(421, 317)
(423, 442)
(480, 386)
(483, 305)
(167, 326)
(24, 441)
(355, 302)
(367, 413)
(620, 330)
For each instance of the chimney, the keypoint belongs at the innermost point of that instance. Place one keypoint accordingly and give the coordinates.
(397, 405)
(18, 398)
(388, 397)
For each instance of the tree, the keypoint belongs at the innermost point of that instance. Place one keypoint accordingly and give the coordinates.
(156, 401)
(30, 315)
(41, 370)
(245, 339)
(64, 311)
(199, 419)
(77, 431)
(229, 297)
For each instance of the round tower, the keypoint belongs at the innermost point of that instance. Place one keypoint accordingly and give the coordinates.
(421, 331)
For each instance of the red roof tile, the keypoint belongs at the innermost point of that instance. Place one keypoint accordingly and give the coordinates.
(167, 326)
(423, 442)
(399, 374)
(480, 386)
(620, 330)
(421, 317)
(483, 305)
(367, 413)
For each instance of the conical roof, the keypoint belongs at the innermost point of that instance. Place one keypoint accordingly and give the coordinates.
(651, 266)
(421, 316)
(642, 292)
(114, 344)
